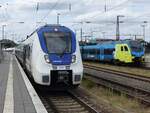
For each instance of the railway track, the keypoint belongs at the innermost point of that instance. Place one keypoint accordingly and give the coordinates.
(65, 102)
(142, 66)
(129, 84)
(131, 75)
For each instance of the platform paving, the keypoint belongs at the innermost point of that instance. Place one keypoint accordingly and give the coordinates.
(4, 70)
(22, 100)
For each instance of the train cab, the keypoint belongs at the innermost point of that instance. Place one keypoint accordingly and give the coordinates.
(123, 53)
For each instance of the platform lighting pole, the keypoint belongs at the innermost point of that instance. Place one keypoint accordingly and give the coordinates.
(58, 18)
(103, 34)
(81, 35)
(3, 31)
(143, 26)
(105, 7)
(118, 27)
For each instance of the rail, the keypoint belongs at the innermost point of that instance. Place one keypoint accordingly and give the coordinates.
(65, 102)
(130, 84)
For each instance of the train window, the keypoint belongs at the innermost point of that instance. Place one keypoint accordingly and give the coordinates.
(86, 51)
(27, 49)
(28, 52)
(108, 51)
(125, 48)
(91, 51)
(97, 51)
(94, 51)
(121, 48)
(83, 51)
(58, 43)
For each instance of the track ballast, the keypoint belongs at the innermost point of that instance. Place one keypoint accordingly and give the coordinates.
(129, 84)
(65, 102)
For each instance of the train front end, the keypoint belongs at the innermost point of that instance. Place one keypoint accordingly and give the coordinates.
(137, 51)
(61, 65)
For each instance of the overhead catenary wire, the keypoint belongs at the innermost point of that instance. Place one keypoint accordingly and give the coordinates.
(37, 9)
(100, 13)
(108, 10)
(50, 10)
(134, 22)
(137, 17)
(127, 20)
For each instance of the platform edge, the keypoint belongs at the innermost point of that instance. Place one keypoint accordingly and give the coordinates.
(39, 107)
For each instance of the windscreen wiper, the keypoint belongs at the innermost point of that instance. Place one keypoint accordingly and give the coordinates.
(64, 51)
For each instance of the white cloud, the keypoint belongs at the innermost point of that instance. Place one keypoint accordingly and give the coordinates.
(91, 10)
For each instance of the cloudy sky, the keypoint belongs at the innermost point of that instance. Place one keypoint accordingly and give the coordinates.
(100, 13)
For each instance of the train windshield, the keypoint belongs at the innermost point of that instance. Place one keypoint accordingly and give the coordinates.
(58, 42)
(136, 46)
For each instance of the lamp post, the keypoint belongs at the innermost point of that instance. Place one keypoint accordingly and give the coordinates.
(118, 27)
(58, 14)
(103, 34)
(143, 26)
(3, 31)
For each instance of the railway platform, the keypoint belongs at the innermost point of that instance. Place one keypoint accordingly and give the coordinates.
(16, 92)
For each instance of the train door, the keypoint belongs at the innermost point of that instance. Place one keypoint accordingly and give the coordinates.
(27, 57)
(91, 55)
(127, 54)
(119, 53)
(123, 53)
(95, 54)
(24, 55)
(86, 53)
(98, 54)
(101, 54)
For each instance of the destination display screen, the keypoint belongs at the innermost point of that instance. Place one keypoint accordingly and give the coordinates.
(56, 35)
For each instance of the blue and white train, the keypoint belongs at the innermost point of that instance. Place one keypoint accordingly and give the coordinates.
(51, 55)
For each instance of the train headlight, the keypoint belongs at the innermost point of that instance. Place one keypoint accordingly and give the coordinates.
(46, 58)
(73, 58)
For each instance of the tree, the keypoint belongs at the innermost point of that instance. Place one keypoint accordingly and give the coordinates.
(6, 43)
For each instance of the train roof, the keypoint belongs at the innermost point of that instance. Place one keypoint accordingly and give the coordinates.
(106, 45)
(53, 26)
(111, 44)
(50, 27)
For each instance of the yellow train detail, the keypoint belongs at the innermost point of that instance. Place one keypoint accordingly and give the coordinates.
(123, 53)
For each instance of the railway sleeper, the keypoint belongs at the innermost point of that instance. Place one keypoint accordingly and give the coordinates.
(70, 106)
(76, 110)
(65, 104)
